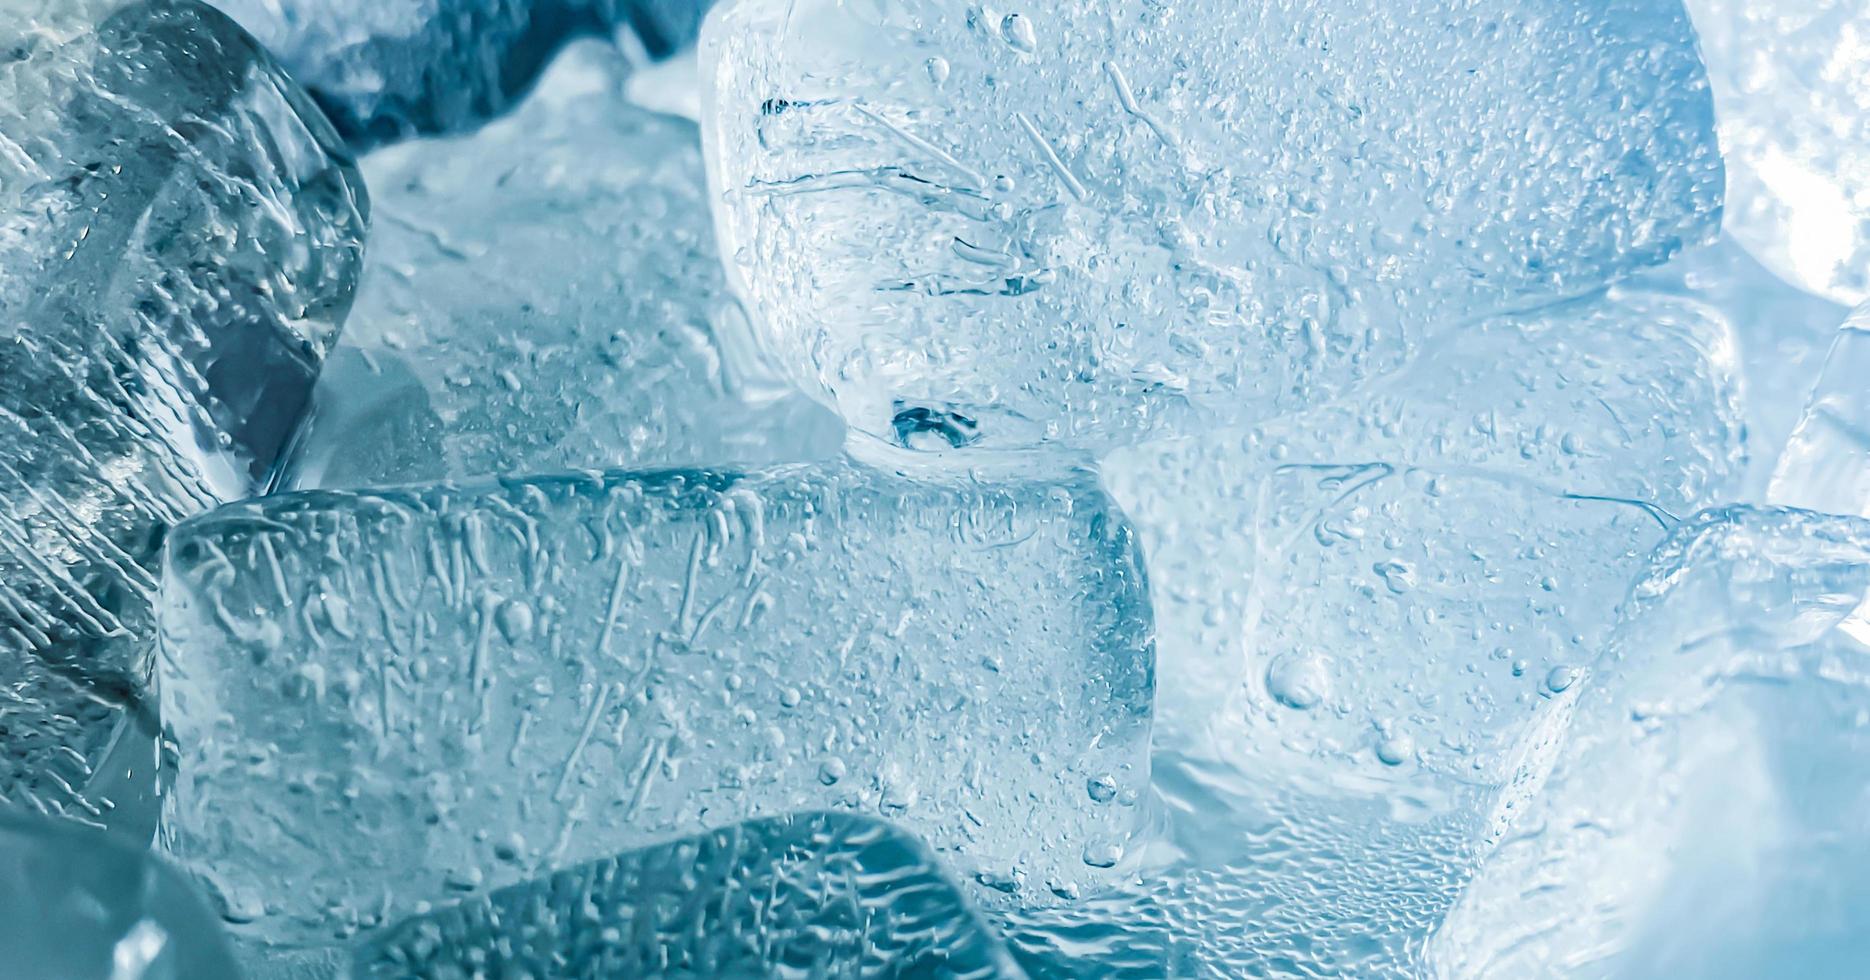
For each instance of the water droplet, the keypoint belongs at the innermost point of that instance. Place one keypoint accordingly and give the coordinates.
(1018, 31)
(938, 69)
(1299, 681)
(830, 771)
(1397, 576)
(1103, 788)
(514, 620)
(1561, 678)
(790, 697)
(1103, 854)
(1396, 750)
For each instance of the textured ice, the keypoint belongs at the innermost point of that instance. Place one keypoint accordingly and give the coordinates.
(389, 68)
(386, 697)
(1708, 816)
(77, 905)
(1826, 463)
(179, 237)
(545, 295)
(1083, 222)
(1791, 85)
(1630, 395)
(813, 895)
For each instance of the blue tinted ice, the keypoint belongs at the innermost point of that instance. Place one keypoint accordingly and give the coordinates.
(545, 295)
(819, 895)
(179, 238)
(389, 68)
(1826, 463)
(1084, 222)
(1791, 85)
(1629, 395)
(1707, 814)
(387, 698)
(77, 905)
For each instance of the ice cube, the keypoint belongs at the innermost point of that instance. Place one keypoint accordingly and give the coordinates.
(1707, 816)
(1082, 223)
(386, 69)
(1826, 463)
(1792, 90)
(544, 295)
(179, 237)
(76, 904)
(823, 895)
(1630, 395)
(385, 697)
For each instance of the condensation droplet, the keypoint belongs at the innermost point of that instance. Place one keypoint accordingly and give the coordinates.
(1299, 681)
(1019, 34)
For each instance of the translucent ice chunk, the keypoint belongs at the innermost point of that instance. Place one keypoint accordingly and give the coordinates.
(77, 905)
(1630, 395)
(179, 237)
(1088, 221)
(389, 68)
(544, 295)
(385, 697)
(1707, 817)
(821, 895)
(1792, 89)
(1826, 463)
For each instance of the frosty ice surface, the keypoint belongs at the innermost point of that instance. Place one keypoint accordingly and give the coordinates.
(822, 895)
(544, 295)
(179, 237)
(386, 697)
(1081, 223)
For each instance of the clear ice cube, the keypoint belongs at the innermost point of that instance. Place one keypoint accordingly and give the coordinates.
(387, 697)
(1632, 394)
(386, 69)
(76, 904)
(179, 237)
(1706, 816)
(1791, 85)
(544, 295)
(1087, 222)
(817, 894)
(1826, 463)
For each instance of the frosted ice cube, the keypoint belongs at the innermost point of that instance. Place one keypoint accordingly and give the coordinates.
(179, 238)
(77, 905)
(544, 295)
(1826, 463)
(384, 697)
(1631, 395)
(1792, 90)
(1707, 816)
(822, 895)
(391, 68)
(1086, 222)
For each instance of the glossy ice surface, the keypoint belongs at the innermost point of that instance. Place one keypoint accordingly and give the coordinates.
(819, 895)
(1792, 87)
(1826, 463)
(390, 68)
(544, 295)
(1707, 816)
(179, 239)
(389, 697)
(78, 905)
(1088, 222)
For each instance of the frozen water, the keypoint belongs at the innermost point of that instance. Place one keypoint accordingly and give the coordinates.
(1707, 817)
(389, 68)
(1630, 395)
(1085, 222)
(179, 237)
(544, 295)
(819, 895)
(387, 697)
(77, 905)
(1792, 89)
(1826, 463)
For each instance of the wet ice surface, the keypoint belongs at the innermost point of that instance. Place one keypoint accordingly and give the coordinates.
(821, 895)
(545, 295)
(1826, 463)
(1792, 87)
(179, 238)
(1707, 815)
(1088, 223)
(76, 905)
(614, 659)
(391, 68)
